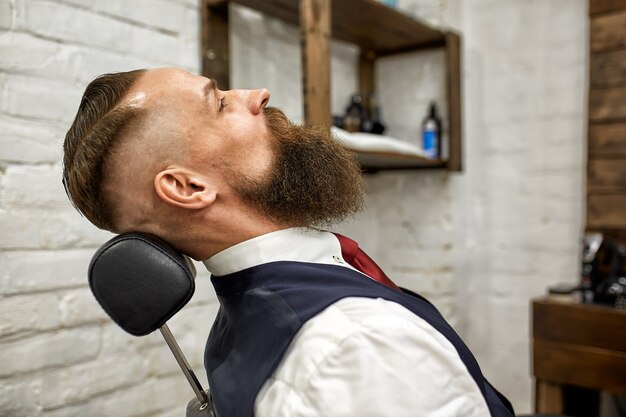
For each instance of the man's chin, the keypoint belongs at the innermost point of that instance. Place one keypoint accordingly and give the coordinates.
(314, 181)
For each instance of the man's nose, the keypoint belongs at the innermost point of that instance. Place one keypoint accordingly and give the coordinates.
(257, 100)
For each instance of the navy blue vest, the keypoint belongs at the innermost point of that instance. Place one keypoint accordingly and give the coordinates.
(263, 307)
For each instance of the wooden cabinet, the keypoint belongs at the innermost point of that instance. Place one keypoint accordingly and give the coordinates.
(576, 344)
(377, 29)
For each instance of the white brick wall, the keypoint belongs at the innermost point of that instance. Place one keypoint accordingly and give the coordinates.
(479, 244)
(519, 206)
(59, 353)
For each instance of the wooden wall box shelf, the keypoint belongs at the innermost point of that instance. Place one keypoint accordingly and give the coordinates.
(379, 31)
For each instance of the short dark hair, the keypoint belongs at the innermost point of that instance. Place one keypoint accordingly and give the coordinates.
(95, 131)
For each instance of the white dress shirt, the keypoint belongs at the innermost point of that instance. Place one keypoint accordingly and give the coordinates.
(359, 356)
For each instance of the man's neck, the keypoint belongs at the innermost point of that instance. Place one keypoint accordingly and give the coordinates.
(214, 247)
(210, 240)
(215, 230)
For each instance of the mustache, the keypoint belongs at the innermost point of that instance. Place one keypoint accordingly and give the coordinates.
(278, 121)
(275, 112)
(271, 110)
(289, 132)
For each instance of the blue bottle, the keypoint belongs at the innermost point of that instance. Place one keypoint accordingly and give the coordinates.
(431, 133)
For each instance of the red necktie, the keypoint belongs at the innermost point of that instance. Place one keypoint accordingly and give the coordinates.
(359, 260)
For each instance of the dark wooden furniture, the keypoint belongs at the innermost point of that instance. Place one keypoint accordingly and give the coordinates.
(576, 344)
(606, 169)
(376, 28)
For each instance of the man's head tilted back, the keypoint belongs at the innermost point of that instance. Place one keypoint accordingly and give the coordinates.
(166, 152)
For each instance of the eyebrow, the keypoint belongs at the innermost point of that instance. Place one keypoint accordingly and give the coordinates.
(210, 87)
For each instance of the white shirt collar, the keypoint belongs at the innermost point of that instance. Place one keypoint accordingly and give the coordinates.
(298, 244)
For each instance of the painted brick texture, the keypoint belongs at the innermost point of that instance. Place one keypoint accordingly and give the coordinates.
(59, 353)
(522, 211)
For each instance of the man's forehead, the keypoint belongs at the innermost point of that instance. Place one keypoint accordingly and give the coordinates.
(168, 73)
(158, 82)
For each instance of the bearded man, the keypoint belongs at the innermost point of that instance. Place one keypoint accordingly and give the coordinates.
(308, 324)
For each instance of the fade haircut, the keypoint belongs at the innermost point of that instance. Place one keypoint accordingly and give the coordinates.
(98, 125)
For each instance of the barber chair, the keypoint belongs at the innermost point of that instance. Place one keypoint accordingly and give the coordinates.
(141, 282)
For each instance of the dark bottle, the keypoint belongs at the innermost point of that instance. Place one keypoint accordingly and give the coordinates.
(355, 115)
(375, 124)
(431, 133)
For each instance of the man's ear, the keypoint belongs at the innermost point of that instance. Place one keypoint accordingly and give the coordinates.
(184, 188)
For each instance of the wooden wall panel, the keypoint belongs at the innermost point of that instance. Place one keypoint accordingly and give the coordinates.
(606, 175)
(606, 191)
(607, 104)
(608, 32)
(608, 68)
(606, 6)
(607, 140)
(606, 211)
(606, 168)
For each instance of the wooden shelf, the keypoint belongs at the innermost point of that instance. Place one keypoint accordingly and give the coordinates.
(380, 152)
(379, 31)
(367, 23)
(376, 161)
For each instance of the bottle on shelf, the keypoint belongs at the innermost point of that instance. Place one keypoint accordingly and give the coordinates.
(431, 133)
(355, 115)
(375, 125)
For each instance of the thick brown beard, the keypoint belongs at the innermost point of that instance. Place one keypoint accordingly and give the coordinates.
(314, 181)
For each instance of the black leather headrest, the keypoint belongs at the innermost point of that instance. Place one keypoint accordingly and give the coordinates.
(140, 281)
